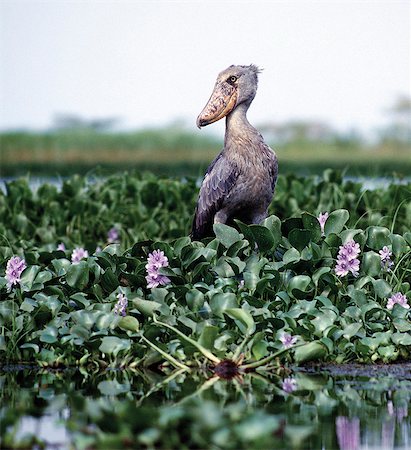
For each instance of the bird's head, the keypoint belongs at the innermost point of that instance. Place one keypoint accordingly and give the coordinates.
(234, 85)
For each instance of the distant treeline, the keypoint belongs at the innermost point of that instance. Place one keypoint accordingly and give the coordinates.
(78, 146)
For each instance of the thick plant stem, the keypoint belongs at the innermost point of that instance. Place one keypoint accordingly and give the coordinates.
(238, 350)
(267, 359)
(198, 346)
(172, 360)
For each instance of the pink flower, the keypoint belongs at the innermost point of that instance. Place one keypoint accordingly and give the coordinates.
(113, 235)
(349, 250)
(347, 260)
(399, 299)
(120, 307)
(341, 268)
(155, 261)
(156, 279)
(287, 340)
(353, 266)
(14, 269)
(385, 255)
(289, 385)
(78, 254)
(61, 247)
(322, 218)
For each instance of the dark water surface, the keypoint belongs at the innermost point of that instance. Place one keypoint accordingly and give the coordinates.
(340, 407)
(369, 183)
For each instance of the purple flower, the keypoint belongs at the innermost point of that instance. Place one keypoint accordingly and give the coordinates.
(341, 268)
(14, 268)
(113, 235)
(61, 247)
(120, 308)
(155, 261)
(350, 250)
(322, 218)
(398, 298)
(348, 432)
(78, 254)
(289, 385)
(385, 255)
(156, 279)
(287, 340)
(353, 266)
(347, 260)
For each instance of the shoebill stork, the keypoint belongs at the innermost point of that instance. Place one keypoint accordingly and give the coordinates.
(240, 182)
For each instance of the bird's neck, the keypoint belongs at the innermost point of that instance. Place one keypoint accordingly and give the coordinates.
(238, 128)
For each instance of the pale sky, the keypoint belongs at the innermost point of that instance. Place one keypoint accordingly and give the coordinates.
(154, 62)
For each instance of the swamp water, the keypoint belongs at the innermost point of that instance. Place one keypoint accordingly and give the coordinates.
(335, 407)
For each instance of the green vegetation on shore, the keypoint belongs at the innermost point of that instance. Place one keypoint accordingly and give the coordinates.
(175, 151)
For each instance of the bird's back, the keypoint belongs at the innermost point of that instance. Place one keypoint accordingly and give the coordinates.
(237, 185)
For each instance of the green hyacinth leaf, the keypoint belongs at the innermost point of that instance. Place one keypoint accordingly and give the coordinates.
(336, 221)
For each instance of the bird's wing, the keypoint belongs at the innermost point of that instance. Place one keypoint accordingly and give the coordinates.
(217, 183)
(273, 167)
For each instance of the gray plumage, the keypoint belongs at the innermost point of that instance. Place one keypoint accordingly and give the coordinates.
(240, 182)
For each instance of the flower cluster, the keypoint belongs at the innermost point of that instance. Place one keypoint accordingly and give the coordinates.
(113, 236)
(14, 268)
(120, 307)
(287, 340)
(78, 254)
(347, 259)
(155, 261)
(289, 385)
(322, 218)
(385, 255)
(398, 298)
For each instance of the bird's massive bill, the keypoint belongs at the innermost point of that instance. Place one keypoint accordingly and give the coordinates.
(222, 102)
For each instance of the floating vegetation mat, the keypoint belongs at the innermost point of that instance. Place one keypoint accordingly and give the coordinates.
(157, 341)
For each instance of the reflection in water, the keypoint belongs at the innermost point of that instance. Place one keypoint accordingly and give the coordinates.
(289, 385)
(348, 432)
(143, 409)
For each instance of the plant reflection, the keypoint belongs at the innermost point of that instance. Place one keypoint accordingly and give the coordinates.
(146, 409)
(348, 432)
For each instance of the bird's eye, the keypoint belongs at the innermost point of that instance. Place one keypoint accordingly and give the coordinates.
(232, 79)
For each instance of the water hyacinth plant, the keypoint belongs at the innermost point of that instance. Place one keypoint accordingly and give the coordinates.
(322, 218)
(14, 269)
(287, 340)
(347, 260)
(120, 308)
(286, 290)
(155, 262)
(398, 299)
(78, 254)
(113, 235)
(289, 385)
(385, 255)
